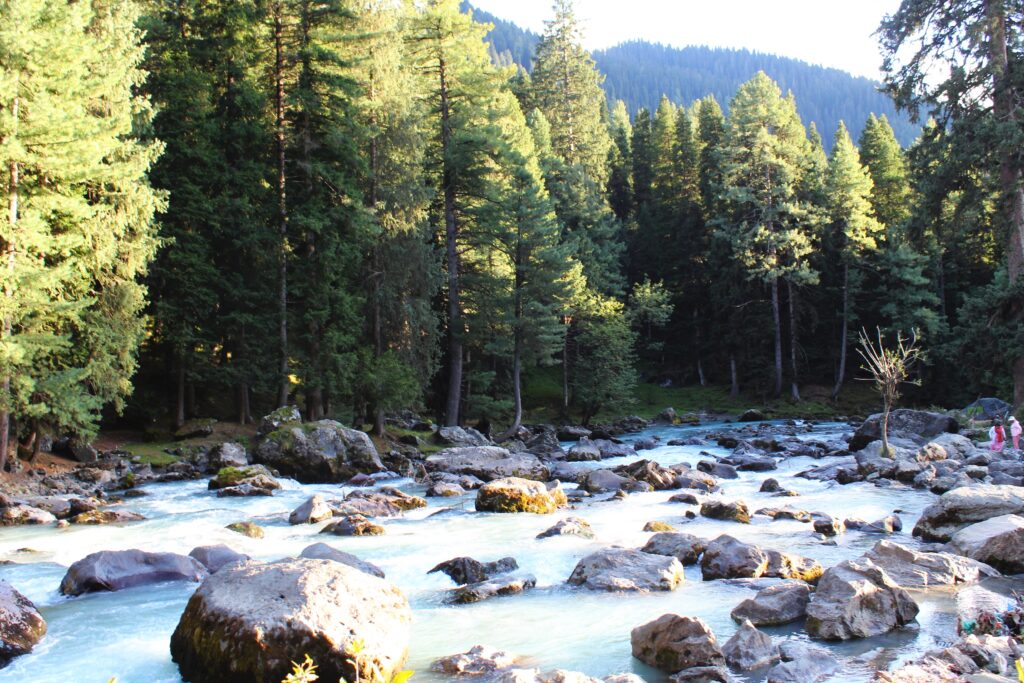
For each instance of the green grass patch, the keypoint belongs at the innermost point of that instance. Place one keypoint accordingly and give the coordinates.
(154, 454)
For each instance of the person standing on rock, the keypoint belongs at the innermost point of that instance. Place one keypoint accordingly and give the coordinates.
(1015, 430)
(997, 436)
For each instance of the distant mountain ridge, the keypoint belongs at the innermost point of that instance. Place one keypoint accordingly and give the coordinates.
(639, 73)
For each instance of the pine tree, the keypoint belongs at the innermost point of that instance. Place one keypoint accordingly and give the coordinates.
(620, 160)
(884, 159)
(79, 228)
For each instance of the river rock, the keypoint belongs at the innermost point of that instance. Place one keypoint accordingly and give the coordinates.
(114, 570)
(387, 502)
(602, 481)
(460, 436)
(890, 524)
(249, 529)
(228, 455)
(621, 569)
(216, 557)
(488, 463)
(802, 663)
(998, 541)
(686, 498)
(789, 566)
(673, 643)
(21, 625)
(248, 622)
(775, 605)
(277, 419)
(514, 494)
(916, 425)
(948, 447)
(314, 510)
(857, 599)
(964, 506)
(583, 450)
(480, 659)
(660, 478)
(318, 452)
(16, 515)
(718, 469)
(750, 649)
(729, 558)
(463, 570)
(504, 584)
(684, 547)
(245, 490)
(444, 489)
(256, 476)
(988, 408)
(913, 569)
(827, 525)
(322, 551)
(697, 480)
(735, 511)
(353, 525)
(570, 526)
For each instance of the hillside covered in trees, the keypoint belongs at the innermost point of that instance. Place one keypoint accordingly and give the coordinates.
(353, 209)
(640, 73)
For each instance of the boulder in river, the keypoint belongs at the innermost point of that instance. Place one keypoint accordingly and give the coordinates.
(478, 660)
(514, 494)
(16, 514)
(216, 557)
(736, 510)
(570, 526)
(803, 663)
(729, 558)
(857, 599)
(314, 510)
(789, 566)
(998, 541)
(750, 649)
(21, 625)
(228, 455)
(248, 622)
(913, 569)
(387, 502)
(318, 452)
(322, 551)
(106, 517)
(660, 478)
(256, 476)
(503, 584)
(915, 425)
(463, 570)
(602, 481)
(353, 525)
(622, 569)
(249, 529)
(673, 643)
(775, 605)
(967, 505)
(114, 570)
(684, 547)
(487, 463)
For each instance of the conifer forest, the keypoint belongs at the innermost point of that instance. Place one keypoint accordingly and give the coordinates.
(217, 208)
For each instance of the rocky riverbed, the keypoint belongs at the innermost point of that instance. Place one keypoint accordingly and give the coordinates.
(740, 530)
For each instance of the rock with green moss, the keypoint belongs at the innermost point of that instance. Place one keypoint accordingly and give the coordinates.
(250, 529)
(353, 525)
(658, 527)
(249, 621)
(387, 502)
(318, 452)
(253, 476)
(195, 429)
(514, 494)
(106, 517)
(21, 625)
(279, 418)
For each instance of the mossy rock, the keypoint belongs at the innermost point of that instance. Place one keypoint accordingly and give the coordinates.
(513, 494)
(249, 529)
(658, 527)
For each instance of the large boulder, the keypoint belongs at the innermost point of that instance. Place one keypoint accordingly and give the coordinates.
(460, 436)
(673, 643)
(998, 541)
(988, 408)
(750, 649)
(803, 663)
(912, 569)
(915, 425)
(228, 454)
(314, 510)
(488, 463)
(684, 547)
(775, 605)
(317, 452)
(256, 476)
(248, 622)
(602, 481)
(514, 494)
(621, 569)
(113, 570)
(21, 625)
(729, 558)
(463, 570)
(16, 514)
(967, 505)
(322, 551)
(857, 599)
(736, 511)
(216, 557)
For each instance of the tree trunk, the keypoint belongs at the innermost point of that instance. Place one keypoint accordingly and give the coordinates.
(9, 253)
(700, 365)
(841, 375)
(179, 401)
(565, 370)
(451, 234)
(282, 204)
(777, 320)
(793, 340)
(734, 389)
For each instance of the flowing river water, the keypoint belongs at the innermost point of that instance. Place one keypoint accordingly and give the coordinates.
(126, 634)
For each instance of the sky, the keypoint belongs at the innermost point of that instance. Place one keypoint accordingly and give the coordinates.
(835, 33)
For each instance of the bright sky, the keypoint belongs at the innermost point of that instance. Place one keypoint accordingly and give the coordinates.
(834, 33)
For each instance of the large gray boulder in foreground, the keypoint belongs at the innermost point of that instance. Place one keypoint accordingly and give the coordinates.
(857, 599)
(317, 452)
(998, 541)
(248, 622)
(967, 505)
(113, 570)
(21, 625)
(915, 425)
(622, 569)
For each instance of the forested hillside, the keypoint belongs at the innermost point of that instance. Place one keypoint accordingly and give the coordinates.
(639, 73)
(356, 211)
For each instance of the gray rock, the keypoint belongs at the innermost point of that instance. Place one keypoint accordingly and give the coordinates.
(621, 569)
(827, 525)
(702, 674)
(964, 506)
(988, 408)
(245, 490)
(17, 515)
(21, 625)
(318, 452)
(729, 558)
(277, 419)
(570, 526)
(857, 599)
(487, 463)
(583, 450)
(114, 570)
(443, 489)
(460, 436)
(504, 584)
(216, 557)
(602, 481)
(889, 524)
(750, 649)
(463, 570)
(478, 660)
(647, 471)
(322, 551)
(353, 525)
(718, 469)
(802, 663)
(228, 455)
(514, 494)
(684, 547)
(913, 569)
(998, 541)
(735, 511)
(250, 621)
(314, 510)
(916, 425)
(775, 605)
(674, 643)
(386, 502)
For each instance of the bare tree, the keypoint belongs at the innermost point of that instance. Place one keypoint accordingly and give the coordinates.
(889, 368)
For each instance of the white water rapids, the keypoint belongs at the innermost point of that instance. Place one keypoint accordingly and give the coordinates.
(126, 634)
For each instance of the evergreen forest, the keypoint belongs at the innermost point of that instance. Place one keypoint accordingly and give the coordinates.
(216, 208)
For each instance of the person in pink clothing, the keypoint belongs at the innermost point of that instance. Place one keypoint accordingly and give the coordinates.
(1015, 430)
(997, 437)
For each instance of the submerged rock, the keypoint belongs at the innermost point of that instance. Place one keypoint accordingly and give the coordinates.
(857, 599)
(621, 569)
(322, 551)
(775, 605)
(478, 660)
(114, 570)
(463, 570)
(503, 584)
(250, 529)
(21, 625)
(514, 494)
(673, 643)
(248, 622)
